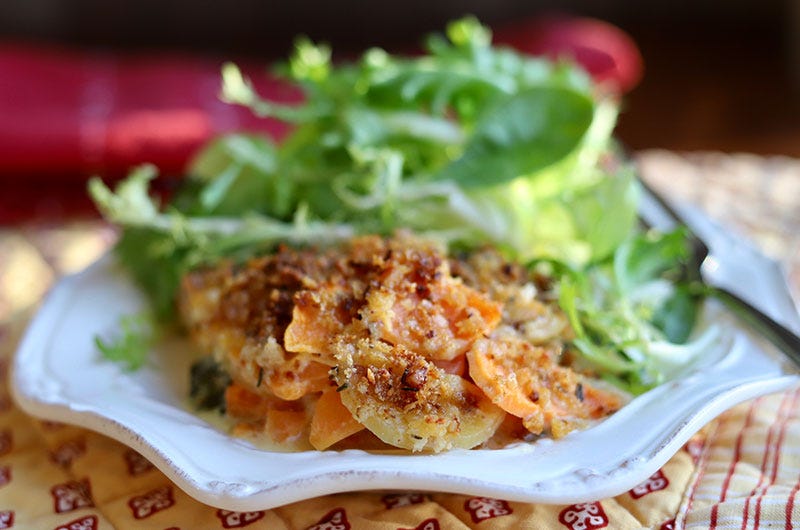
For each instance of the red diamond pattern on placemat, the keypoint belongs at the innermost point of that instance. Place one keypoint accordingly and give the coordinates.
(72, 495)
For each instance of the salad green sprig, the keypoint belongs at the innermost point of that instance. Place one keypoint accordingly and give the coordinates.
(469, 143)
(633, 315)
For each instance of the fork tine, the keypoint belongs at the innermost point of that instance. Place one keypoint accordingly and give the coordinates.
(655, 211)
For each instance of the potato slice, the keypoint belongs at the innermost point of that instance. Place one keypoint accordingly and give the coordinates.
(407, 401)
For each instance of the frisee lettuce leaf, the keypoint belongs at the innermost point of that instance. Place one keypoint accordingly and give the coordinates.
(468, 143)
(131, 344)
(633, 314)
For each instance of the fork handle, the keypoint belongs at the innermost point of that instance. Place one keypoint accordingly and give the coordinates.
(778, 334)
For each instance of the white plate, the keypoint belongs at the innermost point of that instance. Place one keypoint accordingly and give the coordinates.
(58, 374)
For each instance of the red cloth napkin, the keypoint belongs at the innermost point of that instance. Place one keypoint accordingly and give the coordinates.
(68, 114)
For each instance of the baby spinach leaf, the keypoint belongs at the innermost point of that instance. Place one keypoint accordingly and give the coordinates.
(521, 134)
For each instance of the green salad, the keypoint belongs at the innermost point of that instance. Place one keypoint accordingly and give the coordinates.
(468, 143)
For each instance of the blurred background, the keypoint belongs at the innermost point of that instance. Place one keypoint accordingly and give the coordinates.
(92, 86)
(717, 74)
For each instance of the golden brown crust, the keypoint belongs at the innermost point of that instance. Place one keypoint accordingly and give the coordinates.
(408, 333)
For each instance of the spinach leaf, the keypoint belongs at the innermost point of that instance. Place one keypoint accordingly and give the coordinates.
(522, 134)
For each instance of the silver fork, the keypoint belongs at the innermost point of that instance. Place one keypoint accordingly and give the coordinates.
(733, 270)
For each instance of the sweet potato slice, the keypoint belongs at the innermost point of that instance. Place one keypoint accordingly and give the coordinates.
(332, 422)
(297, 378)
(243, 404)
(455, 366)
(525, 381)
(439, 321)
(317, 317)
(286, 425)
